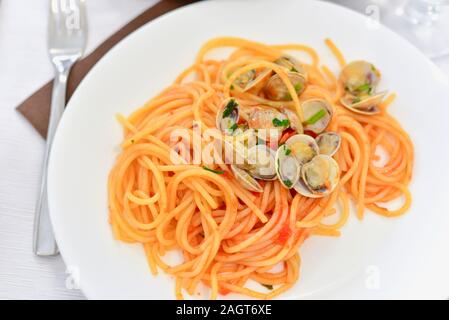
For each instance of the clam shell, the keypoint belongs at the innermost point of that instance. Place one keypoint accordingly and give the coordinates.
(310, 108)
(291, 64)
(359, 75)
(247, 181)
(276, 90)
(225, 120)
(293, 118)
(366, 106)
(321, 175)
(304, 147)
(328, 142)
(287, 167)
(262, 161)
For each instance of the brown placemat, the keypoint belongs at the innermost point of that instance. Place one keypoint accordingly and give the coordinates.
(36, 108)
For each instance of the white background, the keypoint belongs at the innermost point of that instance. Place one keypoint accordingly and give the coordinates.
(24, 67)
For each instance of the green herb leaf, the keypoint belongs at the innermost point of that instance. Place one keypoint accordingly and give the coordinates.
(317, 116)
(229, 108)
(214, 171)
(234, 127)
(232, 87)
(281, 123)
(288, 183)
(293, 69)
(287, 151)
(268, 286)
(298, 87)
(288, 96)
(364, 88)
(356, 100)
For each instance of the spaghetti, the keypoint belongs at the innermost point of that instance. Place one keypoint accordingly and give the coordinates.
(227, 234)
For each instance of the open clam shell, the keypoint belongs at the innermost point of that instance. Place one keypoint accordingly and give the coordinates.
(245, 78)
(258, 80)
(261, 161)
(303, 190)
(291, 64)
(367, 105)
(293, 119)
(360, 77)
(267, 119)
(236, 147)
(328, 142)
(275, 89)
(287, 167)
(247, 181)
(303, 147)
(228, 116)
(317, 115)
(321, 175)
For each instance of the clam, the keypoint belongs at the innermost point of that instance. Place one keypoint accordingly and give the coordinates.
(302, 189)
(276, 90)
(293, 118)
(360, 77)
(367, 105)
(317, 114)
(328, 142)
(303, 147)
(228, 116)
(236, 147)
(261, 162)
(257, 80)
(247, 181)
(291, 64)
(267, 119)
(321, 175)
(245, 78)
(287, 167)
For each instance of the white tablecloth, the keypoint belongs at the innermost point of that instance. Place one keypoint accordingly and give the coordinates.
(24, 67)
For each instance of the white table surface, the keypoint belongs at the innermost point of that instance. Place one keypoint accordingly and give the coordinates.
(24, 67)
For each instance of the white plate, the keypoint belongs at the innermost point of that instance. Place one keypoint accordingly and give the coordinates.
(407, 257)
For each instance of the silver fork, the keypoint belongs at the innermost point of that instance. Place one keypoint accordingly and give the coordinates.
(66, 42)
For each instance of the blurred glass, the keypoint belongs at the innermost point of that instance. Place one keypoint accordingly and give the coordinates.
(425, 23)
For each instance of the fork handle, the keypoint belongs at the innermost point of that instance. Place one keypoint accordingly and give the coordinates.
(44, 243)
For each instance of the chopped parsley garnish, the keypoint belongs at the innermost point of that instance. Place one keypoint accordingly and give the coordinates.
(229, 108)
(293, 69)
(214, 171)
(364, 88)
(317, 116)
(287, 151)
(268, 286)
(298, 87)
(288, 183)
(281, 123)
(288, 96)
(234, 127)
(232, 87)
(356, 100)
